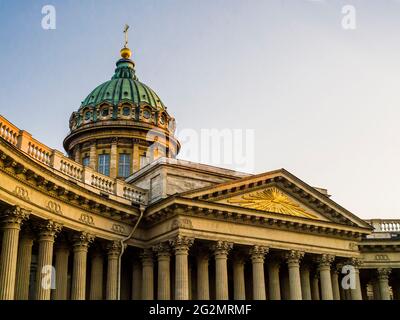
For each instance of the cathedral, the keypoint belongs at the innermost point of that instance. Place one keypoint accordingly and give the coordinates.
(119, 217)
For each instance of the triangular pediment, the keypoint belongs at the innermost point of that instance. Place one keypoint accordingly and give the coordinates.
(278, 192)
(272, 199)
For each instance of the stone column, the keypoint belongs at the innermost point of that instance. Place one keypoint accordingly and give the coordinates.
(47, 233)
(96, 275)
(383, 278)
(147, 275)
(335, 284)
(221, 250)
(364, 291)
(136, 280)
(375, 286)
(164, 282)
(24, 266)
(203, 287)
(396, 290)
(12, 221)
(62, 254)
(347, 294)
(285, 286)
(113, 159)
(315, 287)
(341, 290)
(181, 245)
(324, 266)
(190, 284)
(305, 282)
(93, 156)
(293, 261)
(356, 293)
(113, 252)
(273, 277)
(257, 255)
(239, 288)
(81, 244)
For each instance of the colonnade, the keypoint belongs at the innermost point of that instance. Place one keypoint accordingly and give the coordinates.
(178, 268)
(52, 276)
(220, 273)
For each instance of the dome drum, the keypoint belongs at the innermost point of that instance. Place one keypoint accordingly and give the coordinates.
(121, 126)
(123, 132)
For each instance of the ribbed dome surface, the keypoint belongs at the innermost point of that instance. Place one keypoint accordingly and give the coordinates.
(124, 86)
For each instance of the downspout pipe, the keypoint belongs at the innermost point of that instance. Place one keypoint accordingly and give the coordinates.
(142, 207)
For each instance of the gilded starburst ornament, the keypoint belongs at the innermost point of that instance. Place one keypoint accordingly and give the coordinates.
(272, 200)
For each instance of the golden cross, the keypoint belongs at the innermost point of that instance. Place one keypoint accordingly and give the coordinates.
(126, 35)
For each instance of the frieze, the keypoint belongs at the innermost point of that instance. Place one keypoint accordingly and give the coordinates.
(382, 257)
(353, 246)
(86, 219)
(118, 228)
(21, 193)
(54, 207)
(182, 223)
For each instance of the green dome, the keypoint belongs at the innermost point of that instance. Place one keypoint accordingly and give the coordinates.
(124, 86)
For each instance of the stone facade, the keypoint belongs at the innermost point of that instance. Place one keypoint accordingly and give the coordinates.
(182, 234)
(172, 229)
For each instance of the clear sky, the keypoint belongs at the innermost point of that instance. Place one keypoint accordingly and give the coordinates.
(324, 102)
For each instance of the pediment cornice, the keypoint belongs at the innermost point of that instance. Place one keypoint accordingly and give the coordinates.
(287, 182)
(176, 205)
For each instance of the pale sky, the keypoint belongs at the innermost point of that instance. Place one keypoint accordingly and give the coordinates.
(324, 102)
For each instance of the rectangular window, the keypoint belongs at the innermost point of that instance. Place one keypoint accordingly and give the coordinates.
(104, 164)
(124, 165)
(86, 161)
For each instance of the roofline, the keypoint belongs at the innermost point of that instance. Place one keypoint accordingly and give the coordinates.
(283, 172)
(162, 162)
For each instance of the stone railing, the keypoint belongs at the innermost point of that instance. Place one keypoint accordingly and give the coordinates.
(71, 168)
(385, 225)
(38, 151)
(68, 167)
(8, 131)
(102, 182)
(133, 194)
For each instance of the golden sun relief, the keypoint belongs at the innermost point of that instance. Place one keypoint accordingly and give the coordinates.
(272, 200)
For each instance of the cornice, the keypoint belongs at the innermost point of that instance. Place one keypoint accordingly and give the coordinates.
(36, 181)
(176, 205)
(381, 245)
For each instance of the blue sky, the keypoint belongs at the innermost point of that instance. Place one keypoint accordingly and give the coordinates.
(323, 101)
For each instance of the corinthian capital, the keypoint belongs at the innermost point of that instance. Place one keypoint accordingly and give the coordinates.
(114, 248)
(162, 249)
(147, 256)
(257, 253)
(181, 244)
(14, 217)
(355, 262)
(221, 248)
(48, 230)
(294, 256)
(82, 240)
(383, 273)
(325, 260)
